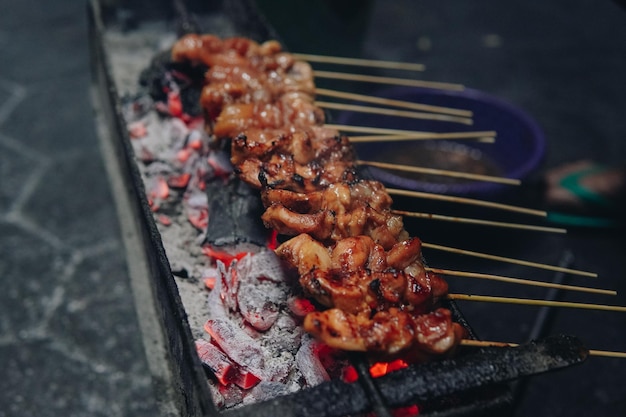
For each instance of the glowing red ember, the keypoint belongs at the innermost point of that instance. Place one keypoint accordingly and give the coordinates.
(225, 257)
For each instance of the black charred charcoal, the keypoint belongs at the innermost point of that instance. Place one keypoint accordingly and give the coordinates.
(157, 79)
(489, 366)
(472, 382)
(235, 211)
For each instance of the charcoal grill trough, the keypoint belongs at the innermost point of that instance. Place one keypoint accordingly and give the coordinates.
(474, 383)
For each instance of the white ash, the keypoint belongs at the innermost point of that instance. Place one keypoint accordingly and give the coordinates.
(275, 348)
(231, 394)
(257, 313)
(266, 391)
(309, 363)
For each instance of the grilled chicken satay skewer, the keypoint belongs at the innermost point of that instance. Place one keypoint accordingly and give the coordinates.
(407, 82)
(392, 102)
(534, 302)
(509, 260)
(401, 132)
(375, 63)
(440, 172)
(464, 220)
(487, 343)
(470, 201)
(394, 112)
(520, 281)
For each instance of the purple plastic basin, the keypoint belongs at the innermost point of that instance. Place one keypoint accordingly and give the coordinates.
(518, 149)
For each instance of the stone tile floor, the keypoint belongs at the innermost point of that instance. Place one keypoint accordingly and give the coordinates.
(69, 339)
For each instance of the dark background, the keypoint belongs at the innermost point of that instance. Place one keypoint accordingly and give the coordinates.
(69, 339)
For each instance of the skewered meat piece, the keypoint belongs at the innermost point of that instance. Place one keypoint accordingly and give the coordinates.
(388, 333)
(377, 303)
(339, 211)
(292, 109)
(357, 275)
(248, 84)
(212, 51)
(301, 160)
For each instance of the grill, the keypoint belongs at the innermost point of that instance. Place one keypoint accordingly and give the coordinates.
(470, 384)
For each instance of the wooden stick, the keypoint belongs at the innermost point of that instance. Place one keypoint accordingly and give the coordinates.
(463, 200)
(422, 136)
(533, 302)
(607, 353)
(431, 216)
(360, 62)
(392, 103)
(509, 260)
(440, 172)
(485, 343)
(521, 281)
(384, 131)
(394, 112)
(387, 80)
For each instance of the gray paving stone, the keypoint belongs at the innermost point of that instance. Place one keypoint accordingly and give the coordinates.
(15, 170)
(32, 273)
(43, 39)
(99, 317)
(73, 202)
(41, 379)
(55, 117)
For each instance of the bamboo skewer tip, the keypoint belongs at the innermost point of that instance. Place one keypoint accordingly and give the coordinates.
(489, 343)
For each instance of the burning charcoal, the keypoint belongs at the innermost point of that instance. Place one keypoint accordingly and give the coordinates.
(258, 295)
(179, 181)
(285, 334)
(231, 394)
(164, 220)
(196, 140)
(238, 345)
(266, 391)
(259, 313)
(308, 362)
(164, 75)
(224, 370)
(136, 107)
(245, 380)
(228, 285)
(216, 360)
(197, 199)
(178, 133)
(265, 266)
(137, 129)
(300, 306)
(220, 162)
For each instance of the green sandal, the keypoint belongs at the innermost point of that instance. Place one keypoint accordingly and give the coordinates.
(596, 202)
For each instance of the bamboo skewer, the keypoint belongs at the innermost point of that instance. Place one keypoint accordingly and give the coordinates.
(387, 80)
(485, 343)
(394, 112)
(431, 216)
(440, 172)
(533, 302)
(607, 353)
(422, 136)
(509, 260)
(408, 66)
(384, 131)
(464, 200)
(521, 281)
(392, 102)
